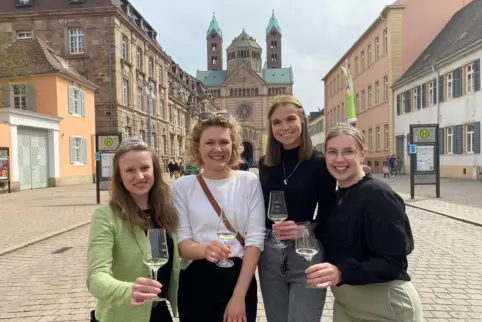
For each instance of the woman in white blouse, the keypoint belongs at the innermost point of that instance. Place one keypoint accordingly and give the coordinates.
(208, 292)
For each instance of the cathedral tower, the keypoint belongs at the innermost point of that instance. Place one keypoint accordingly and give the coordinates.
(214, 43)
(273, 43)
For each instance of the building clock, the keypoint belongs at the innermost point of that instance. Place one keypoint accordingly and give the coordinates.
(244, 111)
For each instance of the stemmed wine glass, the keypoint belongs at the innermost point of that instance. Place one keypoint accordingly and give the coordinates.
(225, 234)
(306, 244)
(156, 254)
(277, 212)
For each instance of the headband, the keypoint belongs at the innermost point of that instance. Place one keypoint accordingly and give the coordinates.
(285, 99)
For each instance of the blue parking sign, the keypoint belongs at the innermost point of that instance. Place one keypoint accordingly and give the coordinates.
(413, 148)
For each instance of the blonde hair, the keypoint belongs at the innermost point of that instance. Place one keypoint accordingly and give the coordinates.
(273, 147)
(346, 129)
(194, 139)
(124, 205)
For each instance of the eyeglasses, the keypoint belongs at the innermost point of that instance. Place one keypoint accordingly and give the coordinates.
(209, 115)
(346, 154)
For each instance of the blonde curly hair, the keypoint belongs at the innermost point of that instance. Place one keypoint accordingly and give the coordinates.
(193, 140)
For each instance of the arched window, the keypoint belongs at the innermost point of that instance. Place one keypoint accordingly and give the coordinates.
(256, 92)
(214, 46)
(231, 92)
(244, 91)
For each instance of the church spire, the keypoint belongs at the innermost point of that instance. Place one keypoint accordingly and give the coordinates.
(214, 25)
(273, 23)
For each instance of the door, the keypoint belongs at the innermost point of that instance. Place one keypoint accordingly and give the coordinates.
(33, 158)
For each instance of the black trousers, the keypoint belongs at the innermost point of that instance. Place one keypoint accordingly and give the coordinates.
(160, 313)
(205, 290)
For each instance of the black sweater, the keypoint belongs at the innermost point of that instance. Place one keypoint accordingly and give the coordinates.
(368, 236)
(309, 185)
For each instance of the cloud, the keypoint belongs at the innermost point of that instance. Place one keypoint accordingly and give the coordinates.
(316, 33)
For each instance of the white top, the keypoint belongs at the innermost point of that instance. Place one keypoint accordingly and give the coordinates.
(198, 220)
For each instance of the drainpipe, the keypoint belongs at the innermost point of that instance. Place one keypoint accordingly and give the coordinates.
(436, 91)
(111, 103)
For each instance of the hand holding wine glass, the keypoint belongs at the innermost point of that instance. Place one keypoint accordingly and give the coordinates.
(156, 254)
(144, 289)
(306, 244)
(277, 212)
(226, 232)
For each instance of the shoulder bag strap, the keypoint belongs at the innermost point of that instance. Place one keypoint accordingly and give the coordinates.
(216, 207)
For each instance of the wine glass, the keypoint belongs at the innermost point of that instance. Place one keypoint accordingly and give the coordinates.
(156, 254)
(306, 244)
(225, 234)
(277, 212)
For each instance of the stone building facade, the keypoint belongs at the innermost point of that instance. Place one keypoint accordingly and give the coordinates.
(108, 40)
(246, 87)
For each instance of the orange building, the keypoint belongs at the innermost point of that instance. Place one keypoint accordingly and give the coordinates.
(47, 119)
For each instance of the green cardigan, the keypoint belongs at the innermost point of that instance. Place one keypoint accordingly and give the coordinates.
(115, 262)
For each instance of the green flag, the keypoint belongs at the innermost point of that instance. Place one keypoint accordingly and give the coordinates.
(350, 99)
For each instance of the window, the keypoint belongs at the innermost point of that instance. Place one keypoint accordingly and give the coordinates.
(385, 40)
(164, 145)
(369, 55)
(431, 88)
(449, 140)
(19, 96)
(469, 138)
(150, 67)
(142, 134)
(362, 61)
(160, 77)
(404, 103)
(385, 129)
(385, 90)
(78, 150)
(469, 72)
(357, 102)
(363, 100)
(125, 44)
(139, 58)
(377, 48)
(377, 138)
(356, 66)
(125, 92)
(76, 41)
(140, 101)
(26, 34)
(415, 97)
(370, 139)
(76, 101)
(377, 93)
(450, 92)
(369, 96)
(364, 134)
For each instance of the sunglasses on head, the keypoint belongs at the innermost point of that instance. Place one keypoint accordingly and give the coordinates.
(209, 115)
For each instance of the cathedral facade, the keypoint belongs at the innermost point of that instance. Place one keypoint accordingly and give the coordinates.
(246, 87)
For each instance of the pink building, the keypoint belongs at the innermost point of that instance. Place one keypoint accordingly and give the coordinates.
(376, 60)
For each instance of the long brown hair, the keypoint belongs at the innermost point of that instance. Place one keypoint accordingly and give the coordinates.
(160, 200)
(273, 147)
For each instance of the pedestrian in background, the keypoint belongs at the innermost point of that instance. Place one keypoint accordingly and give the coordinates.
(116, 274)
(292, 165)
(366, 240)
(386, 170)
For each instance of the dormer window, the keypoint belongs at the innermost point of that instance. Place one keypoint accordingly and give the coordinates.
(129, 11)
(24, 3)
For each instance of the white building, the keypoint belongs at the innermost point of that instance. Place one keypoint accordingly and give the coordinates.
(316, 127)
(443, 86)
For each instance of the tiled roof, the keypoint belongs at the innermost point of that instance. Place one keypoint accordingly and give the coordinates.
(211, 78)
(463, 30)
(244, 40)
(34, 57)
(9, 6)
(215, 78)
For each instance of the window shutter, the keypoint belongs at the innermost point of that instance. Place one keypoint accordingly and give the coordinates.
(477, 75)
(419, 97)
(84, 150)
(434, 92)
(407, 102)
(424, 95)
(31, 98)
(458, 82)
(441, 137)
(82, 103)
(6, 95)
(71, 148)
(441, 87)
(477, 137)
(399, 104)
(458, 139)
(71, 99)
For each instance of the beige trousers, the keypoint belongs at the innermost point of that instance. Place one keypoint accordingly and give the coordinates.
(396, 301)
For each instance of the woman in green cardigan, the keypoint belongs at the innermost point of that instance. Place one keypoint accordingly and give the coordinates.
(117, 276)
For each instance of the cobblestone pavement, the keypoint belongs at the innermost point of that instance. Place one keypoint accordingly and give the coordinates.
(446, 266)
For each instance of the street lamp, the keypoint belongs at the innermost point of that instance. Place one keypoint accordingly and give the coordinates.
(149, 93)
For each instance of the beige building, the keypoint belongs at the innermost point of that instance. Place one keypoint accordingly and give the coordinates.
(246, 87)
(316, 127)
(377, 60)
(111, 44)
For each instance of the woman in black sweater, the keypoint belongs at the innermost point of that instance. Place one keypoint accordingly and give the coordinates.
(366, 239)
(293, 166)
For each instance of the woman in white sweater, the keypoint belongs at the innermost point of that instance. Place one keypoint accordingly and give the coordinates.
(208, 292)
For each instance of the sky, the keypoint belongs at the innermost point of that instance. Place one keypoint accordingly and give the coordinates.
(314, 36)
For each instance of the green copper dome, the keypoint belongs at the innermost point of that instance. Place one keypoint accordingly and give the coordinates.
(214, 25)
(273, 23)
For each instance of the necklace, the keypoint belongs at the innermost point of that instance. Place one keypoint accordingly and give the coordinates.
(340, 199)
(285, 180)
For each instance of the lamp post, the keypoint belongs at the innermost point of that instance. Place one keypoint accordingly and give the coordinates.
(150, 99)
